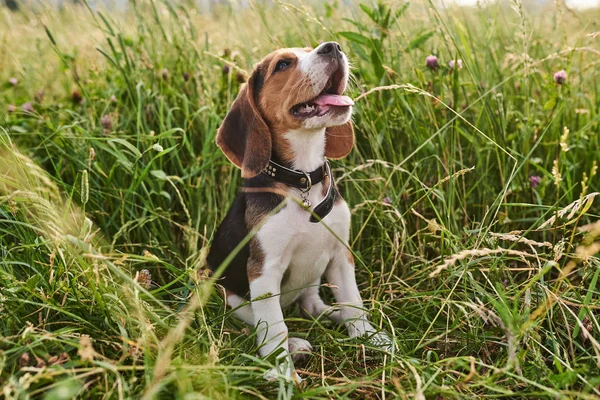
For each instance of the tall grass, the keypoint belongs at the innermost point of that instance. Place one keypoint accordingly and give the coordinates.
(473, 190)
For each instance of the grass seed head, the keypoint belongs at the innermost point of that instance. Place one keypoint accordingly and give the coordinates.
(563, 139)
(157, 147)
(556, 173)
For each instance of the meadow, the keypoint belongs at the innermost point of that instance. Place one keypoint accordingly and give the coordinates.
(473, 191)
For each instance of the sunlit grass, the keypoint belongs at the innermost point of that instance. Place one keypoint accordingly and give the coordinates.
(473, 193)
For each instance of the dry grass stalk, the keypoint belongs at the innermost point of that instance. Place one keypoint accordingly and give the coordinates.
(453, 259)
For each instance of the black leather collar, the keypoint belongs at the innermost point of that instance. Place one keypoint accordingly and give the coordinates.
(304, 181)
(291, 177)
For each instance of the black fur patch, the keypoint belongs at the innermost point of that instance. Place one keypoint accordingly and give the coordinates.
(234, 229)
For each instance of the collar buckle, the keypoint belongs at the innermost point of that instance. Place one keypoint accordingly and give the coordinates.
(306, 180)
(306, 203)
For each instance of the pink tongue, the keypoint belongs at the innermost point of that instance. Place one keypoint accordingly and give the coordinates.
(333, 100)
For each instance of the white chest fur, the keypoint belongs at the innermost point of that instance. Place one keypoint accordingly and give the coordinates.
(300, 250)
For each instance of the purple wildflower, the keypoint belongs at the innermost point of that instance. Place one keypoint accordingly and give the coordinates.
(431, 62)
(13, 81)
(144, 278)
(560, 77)
(113, 99)
(11, 108)
(106, 123)
(226, 69)
(27, 107)
(535, 180)
(458, 62)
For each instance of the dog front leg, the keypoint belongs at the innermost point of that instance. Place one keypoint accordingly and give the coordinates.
(272, 333)
(341, 275)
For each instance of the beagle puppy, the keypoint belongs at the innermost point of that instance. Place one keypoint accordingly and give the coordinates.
(289, 225)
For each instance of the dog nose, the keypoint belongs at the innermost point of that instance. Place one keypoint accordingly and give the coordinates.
(329, 48)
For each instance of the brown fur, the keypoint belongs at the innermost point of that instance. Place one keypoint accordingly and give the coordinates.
(350, 257)
(339, 140)
(281, 91)
(256, 260)
(244, 136)
(256, 213)
(259, 117)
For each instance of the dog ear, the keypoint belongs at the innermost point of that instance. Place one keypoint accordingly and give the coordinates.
(339, 140)
(244, 136)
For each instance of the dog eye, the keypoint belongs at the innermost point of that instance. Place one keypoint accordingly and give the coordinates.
(281, 65)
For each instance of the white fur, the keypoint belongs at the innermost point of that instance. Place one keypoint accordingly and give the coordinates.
(308, 148)
(327, 120)
(314, 66)
(241, 308)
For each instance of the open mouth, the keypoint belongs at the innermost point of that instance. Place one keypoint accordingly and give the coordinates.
(330, 99)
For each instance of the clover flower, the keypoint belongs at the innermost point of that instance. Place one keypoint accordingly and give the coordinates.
(535, 180)
(431, 62)
(560, 77)
(28, 107)
(458, 63)
(106, 123)
(144, 278)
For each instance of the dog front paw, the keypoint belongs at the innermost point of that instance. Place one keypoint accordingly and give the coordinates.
(300, 350)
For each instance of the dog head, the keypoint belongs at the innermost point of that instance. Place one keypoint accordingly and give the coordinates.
(290, 89)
